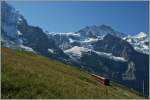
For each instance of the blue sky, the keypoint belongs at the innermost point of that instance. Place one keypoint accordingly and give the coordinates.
(127, 17)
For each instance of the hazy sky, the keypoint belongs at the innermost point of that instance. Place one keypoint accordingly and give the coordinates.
(127, 17)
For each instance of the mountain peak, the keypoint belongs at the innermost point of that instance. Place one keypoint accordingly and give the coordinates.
(141, 35)
(99, 30)
(105, 26)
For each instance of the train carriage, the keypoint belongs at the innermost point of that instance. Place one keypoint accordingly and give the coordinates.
(101, 79)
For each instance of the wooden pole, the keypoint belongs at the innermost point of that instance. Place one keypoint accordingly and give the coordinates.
(143, 87)
(106, 91)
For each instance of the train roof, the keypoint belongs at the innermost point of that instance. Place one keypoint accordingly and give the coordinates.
(99, 76)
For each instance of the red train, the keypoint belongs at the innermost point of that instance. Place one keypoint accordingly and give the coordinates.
(102, 80)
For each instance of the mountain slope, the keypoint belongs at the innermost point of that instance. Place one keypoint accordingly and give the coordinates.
(27, 75)
(17, 33)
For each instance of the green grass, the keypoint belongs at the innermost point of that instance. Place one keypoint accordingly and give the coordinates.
(27, 75)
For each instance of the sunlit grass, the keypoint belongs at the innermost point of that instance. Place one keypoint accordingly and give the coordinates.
(27, 75)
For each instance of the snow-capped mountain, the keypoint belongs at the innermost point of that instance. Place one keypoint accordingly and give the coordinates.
(98, 49)
(140, 42)
(141, 35)
(83, 37)
(17, 33)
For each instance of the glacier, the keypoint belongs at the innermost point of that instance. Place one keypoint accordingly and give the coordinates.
(77, 52)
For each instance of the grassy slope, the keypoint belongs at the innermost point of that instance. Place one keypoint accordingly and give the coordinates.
(26, 75)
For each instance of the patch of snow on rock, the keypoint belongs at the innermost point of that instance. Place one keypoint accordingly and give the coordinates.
(67, 33)
(26, 48)
(90, 40)
(77, 51)
(51, 51)
(110, 56)
(19, 33)
(71, 40)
